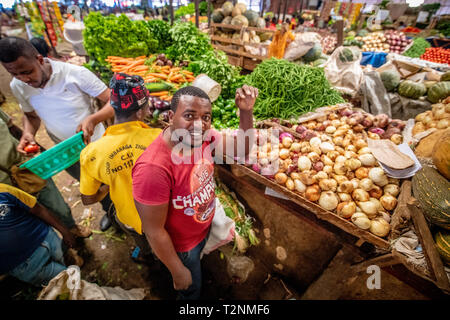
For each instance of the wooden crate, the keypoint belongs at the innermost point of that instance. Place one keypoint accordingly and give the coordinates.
(235, 48)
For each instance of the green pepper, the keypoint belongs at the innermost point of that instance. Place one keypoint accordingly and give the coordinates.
(216, 112)
(229, 107)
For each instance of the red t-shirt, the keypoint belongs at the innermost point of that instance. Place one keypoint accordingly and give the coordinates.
(188, 187)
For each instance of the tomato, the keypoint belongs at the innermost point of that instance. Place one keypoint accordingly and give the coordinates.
(31, 148)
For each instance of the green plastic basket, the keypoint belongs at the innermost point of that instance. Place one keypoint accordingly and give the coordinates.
(57, 158)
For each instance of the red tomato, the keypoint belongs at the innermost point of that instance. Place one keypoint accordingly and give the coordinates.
(31, 148)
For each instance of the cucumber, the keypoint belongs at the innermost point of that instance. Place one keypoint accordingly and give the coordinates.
(158, 86)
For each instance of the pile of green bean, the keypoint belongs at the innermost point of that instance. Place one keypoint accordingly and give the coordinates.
(287, 90)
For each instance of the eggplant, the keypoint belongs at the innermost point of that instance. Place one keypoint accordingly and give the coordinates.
(164, 116)
(161, 57)
(159, 62)
(169, 63)
(159, 105)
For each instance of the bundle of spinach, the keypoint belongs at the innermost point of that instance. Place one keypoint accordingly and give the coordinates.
(116, 36)
(288, 90)
(160, 30)
(418, 48)
(188, 42)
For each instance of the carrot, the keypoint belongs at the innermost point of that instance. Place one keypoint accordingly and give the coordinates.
(164, 97)
(187, 72)
(175, 69)
(176, 77)
(159, 75)
(159, 94)
(141, 68)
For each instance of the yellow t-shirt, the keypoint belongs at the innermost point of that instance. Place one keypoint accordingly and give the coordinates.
(110, 159)
(22, 196)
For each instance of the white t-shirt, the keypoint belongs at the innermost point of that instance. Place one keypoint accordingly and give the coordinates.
(64, 101)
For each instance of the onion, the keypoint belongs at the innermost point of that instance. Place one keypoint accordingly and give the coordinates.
(284, 153)
(346, 187)
(315, 142)
(312, 193)
(318, 166)
(308, 135)
(332, 155)
(304, 163)
(366, 184)
(330, 129)
(313, 156)
(367, 159)
(300, 129)
(286, 134)
(328, 185)
(281, 178)
(339, 168)
(361, 220)
(352, 164)
(340, 159)
(299, 186)
(339, 178)
(326, 160)
(290, 184)
(295, 147)
(388, 202)
(380, 227)
(287, 142)
(307, 178)
(376, 192)
(378, 177)
(360, 143)
(326, 147)
(346, 209)
(327, 169)
(391, 189)
(321, 175)
(370, 208)
(364, 150)
(256, 168)
(360, 195)
(345, 197)
(442, 124)
(362, 173)
(328, 200)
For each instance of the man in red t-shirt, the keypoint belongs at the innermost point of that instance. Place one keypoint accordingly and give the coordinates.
(174, 190)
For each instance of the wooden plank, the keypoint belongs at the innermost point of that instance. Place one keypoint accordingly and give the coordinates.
(226, 40)
(382, 261)
(229, 26)
(196, 13)
(426, 239)
(237, 52)
(400, 219)
(318, 211)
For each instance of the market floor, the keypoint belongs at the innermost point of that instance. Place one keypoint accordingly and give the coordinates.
(108, 260)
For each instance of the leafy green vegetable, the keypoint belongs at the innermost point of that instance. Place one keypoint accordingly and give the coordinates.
(287, 89)
(160, 30)
(418, 48)
(116, 36)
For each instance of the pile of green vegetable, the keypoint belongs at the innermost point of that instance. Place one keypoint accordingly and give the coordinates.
(418, 48)
(287, 90)
(245, 235)
(224, 113)
(160, 30)
(116, 36)
(190, 9)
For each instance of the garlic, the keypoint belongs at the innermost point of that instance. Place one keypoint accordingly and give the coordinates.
(304, 163)
(388, 202)
(367, 160)
(328, 185)
(360, 195)
(378, 177)
(351, 148)
(346, 209)
(361, 220)
(346, 187)
(380, 227)
(299, 186)
(344, 197)
(391, 189)
(366, 184)
(376, 192)
(355, 183)
(290, 184)
(360, 143)
(340, 150)
(328, 200)
(352, 164)
(350, 155)
(332, 155)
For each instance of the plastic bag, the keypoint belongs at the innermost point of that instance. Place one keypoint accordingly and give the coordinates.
(239, 267)
(301, 45)
(222, 230)
(67, 285)
(345, 77)
(375, 97)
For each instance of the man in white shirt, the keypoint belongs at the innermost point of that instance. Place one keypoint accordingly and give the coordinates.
(57, 93)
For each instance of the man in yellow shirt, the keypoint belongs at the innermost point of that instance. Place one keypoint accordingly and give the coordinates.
(106, 163)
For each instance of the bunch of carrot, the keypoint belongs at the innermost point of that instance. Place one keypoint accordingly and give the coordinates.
(150, 73)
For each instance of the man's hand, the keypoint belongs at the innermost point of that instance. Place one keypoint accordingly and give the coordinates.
(27, 138)
(69, 239)
(246, 97)
(182, 279)
(87, 126)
